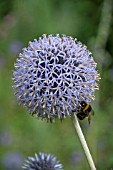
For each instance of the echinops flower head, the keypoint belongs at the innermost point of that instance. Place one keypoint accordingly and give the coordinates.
(53, 74)
(42, 162)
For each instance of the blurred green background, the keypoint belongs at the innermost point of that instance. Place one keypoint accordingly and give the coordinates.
(21, 135)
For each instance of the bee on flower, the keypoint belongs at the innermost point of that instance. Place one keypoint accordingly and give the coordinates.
(53, 74)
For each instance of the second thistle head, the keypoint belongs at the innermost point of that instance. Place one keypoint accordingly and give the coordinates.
(42, 161)
(53, 74)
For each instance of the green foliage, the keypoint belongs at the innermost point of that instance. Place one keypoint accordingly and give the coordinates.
(22, 21)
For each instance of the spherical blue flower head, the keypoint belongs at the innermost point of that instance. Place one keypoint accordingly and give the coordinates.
(53, 74)
(42, 162)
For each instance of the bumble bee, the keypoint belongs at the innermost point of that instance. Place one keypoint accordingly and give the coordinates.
(84, 110)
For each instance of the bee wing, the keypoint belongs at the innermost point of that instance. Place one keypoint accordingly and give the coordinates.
(89, 119)
(92, 112)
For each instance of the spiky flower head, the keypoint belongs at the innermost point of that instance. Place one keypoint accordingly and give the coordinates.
(42, 162)
(53, 74)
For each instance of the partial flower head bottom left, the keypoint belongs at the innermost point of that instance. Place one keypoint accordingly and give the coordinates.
(53, 74)
(42, 162)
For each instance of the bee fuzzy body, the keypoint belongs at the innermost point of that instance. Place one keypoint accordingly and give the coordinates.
(84, 110)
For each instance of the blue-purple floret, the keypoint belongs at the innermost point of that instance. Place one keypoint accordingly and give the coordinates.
(53, 74)
(42, 162)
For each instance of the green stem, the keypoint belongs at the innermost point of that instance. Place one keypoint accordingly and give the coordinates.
(83, 142)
